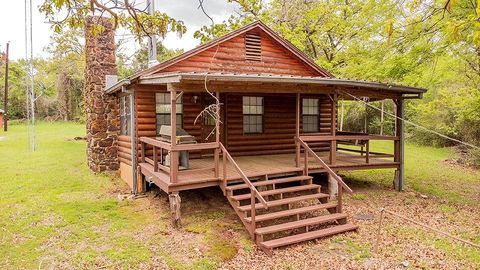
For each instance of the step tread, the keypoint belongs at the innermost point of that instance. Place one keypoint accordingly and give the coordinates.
(270, 181)
(292, 212)
(284, 241)
(277, 191)
(300, 223)
(284, 201)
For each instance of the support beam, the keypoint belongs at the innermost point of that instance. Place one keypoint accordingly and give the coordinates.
(175, 202)
(217, 135)
(332, 187)
(365, 120)
(382, 117)
(133, 140)
(297, 130)
(173, 136)
(342, 115)
(400, 148)
(333, 143)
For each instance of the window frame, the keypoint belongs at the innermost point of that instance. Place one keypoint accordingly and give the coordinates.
(165, 113)
(125, 116)
(253, 109)
(308, 111)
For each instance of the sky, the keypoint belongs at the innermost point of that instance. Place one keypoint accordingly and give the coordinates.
(12, 24)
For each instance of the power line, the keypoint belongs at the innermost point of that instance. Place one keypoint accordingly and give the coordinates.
(27, 91)
(32, 86)
(415, 124)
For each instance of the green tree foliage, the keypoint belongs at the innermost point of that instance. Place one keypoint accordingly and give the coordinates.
(18, 80)
(250, 10)
(140, 59)
(16, 97)
(124, 14)
(67, 62)
(433, 44)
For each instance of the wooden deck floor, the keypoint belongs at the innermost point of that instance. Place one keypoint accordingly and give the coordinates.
(201, 172)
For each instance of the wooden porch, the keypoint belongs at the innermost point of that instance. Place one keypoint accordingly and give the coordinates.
(257, 184)
(201, 171)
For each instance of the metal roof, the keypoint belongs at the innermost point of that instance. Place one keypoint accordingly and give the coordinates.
(150, 75)
(178, 77)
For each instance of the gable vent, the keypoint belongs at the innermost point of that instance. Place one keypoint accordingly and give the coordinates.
(253, 47)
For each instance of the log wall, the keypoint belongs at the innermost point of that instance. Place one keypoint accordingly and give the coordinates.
(124, 149)
(229, 56)
(279, 123)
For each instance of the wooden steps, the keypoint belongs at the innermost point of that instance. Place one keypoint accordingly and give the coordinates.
(284, 201)
(297, 211)
(277, 191)
(292, 212)
(270, 182)
(299, 224)
(297, 238)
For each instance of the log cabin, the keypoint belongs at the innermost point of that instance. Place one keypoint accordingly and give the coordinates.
(252, 114)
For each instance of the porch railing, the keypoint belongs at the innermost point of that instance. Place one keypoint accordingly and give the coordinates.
(353, 139)
(158, 153)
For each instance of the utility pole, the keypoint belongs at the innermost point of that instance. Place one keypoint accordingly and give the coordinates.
(5, 97)
(152, 39)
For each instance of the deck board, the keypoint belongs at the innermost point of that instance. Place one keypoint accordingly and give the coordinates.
(201, 172)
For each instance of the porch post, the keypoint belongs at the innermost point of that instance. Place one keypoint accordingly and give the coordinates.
(134, 145)
(297, 131)
(333, 143)
(400, 147)
(217, 135)
(173, 136)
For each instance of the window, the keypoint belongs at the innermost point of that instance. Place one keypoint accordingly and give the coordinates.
(252, 114)
(164, 108)
(310, 114)
(125, 119)
(208, 119)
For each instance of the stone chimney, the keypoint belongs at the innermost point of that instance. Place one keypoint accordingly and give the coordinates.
(102, 110)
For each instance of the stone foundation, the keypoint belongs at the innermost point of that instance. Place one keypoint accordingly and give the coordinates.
(102, 110)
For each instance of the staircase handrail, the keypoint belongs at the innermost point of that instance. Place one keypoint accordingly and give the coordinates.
(244, 177)
(325, 166)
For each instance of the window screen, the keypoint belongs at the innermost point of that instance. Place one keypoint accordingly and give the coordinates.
(310, 114)
(164, 108)
(252, 114)
(125, 119)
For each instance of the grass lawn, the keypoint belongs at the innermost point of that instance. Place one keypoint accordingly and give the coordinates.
(55, 213)
(427, 172)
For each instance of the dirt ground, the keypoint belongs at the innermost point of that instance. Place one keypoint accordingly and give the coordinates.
(401, 245)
